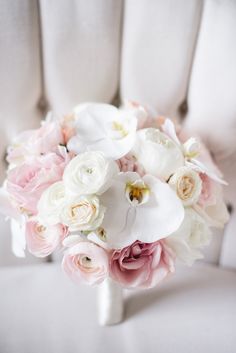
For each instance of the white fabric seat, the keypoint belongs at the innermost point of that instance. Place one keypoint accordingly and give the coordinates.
(190, 312)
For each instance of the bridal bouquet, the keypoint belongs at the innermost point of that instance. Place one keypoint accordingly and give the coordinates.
(120, 192)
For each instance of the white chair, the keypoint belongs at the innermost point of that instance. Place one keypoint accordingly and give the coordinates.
(180, 57)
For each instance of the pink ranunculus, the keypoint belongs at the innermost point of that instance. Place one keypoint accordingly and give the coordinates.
(129, 163)
(41, 240)
(26, 183)
(49, 136)
(86, 262)
(142, 265)
(35, 142)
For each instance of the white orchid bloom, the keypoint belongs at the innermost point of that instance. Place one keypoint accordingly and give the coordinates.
(144, 209)
(102, 127)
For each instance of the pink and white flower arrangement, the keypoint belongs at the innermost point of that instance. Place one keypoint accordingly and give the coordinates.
(117, 190)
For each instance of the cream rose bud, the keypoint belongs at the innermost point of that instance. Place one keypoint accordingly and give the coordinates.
(83, 213)
(191, 237)
(159, 155)
(50, 203)
(89, 173)
(187, 185)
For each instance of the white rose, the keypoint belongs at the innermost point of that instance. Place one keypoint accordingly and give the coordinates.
(89, 173)
(187, 185)
(83, 213)
(190, 238)
(50, 204)
(159, 155)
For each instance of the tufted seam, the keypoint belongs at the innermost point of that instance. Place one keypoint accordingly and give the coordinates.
(43, 105)
(183, 107)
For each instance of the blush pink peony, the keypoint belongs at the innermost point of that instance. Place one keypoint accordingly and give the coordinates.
(42, 241)
(86, 262)
(26, 183)
(142, 265)
(36, 142)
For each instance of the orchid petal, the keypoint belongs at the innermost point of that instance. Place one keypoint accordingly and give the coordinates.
(200, 167)
(168, 128)
(118, 219)
(153, 218)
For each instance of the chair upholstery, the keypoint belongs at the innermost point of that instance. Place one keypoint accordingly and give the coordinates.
(179, 57)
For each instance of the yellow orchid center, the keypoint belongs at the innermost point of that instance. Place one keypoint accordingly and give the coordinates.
(137, 192)
(118, 127)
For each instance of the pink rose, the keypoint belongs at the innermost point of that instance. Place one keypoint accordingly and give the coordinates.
(141, 264)
(129, 163)
(35, 142)
(42, 241)
(26, 183)
(86, 262)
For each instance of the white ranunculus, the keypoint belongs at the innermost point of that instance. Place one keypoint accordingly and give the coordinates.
(144, 209)
(159, 155)
(103, 127)
(187, 185)
(50, 204)
(82, 213)
(89, 173)
(190, 238)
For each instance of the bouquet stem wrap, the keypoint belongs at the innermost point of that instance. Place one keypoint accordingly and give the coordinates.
(110, 303)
